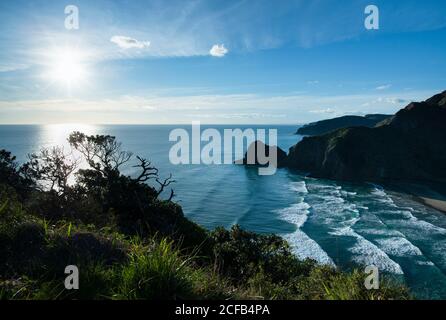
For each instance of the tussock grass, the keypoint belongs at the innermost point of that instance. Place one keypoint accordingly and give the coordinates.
(156, 271)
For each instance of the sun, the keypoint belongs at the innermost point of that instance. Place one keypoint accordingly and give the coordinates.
(67, 67)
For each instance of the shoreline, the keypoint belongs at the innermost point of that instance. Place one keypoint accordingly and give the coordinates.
(439, 205)
(424, 194)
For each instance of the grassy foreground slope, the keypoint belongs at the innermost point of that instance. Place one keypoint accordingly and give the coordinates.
(130, 242)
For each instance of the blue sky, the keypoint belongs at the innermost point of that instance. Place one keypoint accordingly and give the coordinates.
(272, 62)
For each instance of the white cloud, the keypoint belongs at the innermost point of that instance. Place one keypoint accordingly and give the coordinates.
(328, 110)
(218, 50)
(128, 43)
(385, 100)
(313, 82)
(396, 100)
(383, 87)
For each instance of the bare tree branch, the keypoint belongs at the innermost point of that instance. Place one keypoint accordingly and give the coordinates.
(148, 172)
(164, 184)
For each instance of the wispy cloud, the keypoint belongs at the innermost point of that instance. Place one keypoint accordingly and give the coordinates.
(218, 50)
(319, 111)
(396, 100)
(386, 100)
(128, 43)
(384, 87)
(214, 108)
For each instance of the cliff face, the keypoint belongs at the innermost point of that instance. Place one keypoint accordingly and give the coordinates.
(326, 126)
(409, 146)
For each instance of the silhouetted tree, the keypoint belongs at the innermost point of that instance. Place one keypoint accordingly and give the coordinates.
(13, 175)
(102, 152)
(134, 201)
(51, 169)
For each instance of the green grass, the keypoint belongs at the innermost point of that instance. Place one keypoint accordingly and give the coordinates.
(156, 271)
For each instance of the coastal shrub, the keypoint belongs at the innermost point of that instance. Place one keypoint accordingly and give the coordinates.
(32, 247)
(157, 271)
(13, 175)
(96, 282)
(240, 254)
(261, 287)
(327, 283)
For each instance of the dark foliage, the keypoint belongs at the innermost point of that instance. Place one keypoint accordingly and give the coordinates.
(241, 254)
(13, 175)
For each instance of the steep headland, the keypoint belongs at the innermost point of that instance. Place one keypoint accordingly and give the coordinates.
(326, 126)
(410, 146)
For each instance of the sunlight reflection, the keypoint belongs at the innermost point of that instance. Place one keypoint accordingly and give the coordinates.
(57, 134)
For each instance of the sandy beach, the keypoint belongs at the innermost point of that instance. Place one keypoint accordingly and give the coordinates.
(433, 196)
(434, 203)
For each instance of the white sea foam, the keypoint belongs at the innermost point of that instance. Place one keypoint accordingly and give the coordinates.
(367, 253)
(335, 212)
(348, 194)
(296, 214)
(341, 215)
(364, 251)
(412, 229)
(382, 232)
(408, 214)
(424, 225)
(302, 245)
(383, 197)
(299, 186)
(399, 247)
(390, 227)
(351, 207)
(425, 263)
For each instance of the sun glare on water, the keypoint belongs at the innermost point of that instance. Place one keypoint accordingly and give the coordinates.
(57, 134)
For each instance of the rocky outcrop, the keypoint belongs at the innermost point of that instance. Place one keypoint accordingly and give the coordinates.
(326, 126)
(264, 149)
(408, 146)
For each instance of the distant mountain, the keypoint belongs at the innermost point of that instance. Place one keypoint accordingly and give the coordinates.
(326, 126)
(408, 146)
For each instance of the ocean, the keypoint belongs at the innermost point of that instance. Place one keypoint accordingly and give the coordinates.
(342, 224)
